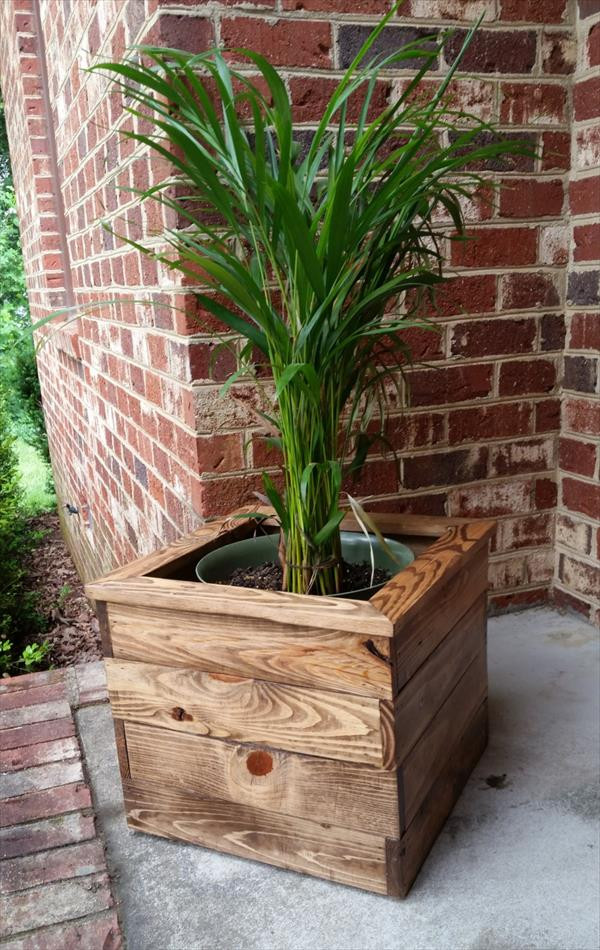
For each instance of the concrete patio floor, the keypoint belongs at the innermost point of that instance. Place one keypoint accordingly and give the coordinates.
(515, 867)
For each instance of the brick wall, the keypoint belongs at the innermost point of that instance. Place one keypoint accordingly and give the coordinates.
(138, 431)
(577, 530)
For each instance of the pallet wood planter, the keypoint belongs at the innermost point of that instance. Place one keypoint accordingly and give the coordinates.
(325, 735)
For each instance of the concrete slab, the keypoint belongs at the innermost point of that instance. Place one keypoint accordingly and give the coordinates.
(515, 867)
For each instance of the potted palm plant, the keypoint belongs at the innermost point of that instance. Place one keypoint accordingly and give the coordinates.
(313, 732)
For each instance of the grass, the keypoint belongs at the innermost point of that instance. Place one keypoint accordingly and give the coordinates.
(35, 479)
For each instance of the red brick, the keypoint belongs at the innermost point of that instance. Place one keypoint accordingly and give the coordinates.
(530, 531)
(338, 6)
(492, 337)
(577, 457)
(411, 431)
(545, 493)
(50, 833)
(519, 458)
(52, 903)
(586, 98)
(54, 751)
(492, 51)
(518, 600)
(33, 696)
(496, 247)
(490, 499)
(558, 53)
(11, 684)
(449, 384)
(84, 934)
(587, 242)
(36, 732)
(489, 422)
(45, 803)
(445, 468)
(582, 416)
(532, 11)
(585, 331)
(531, 199)
(584, 195)
(527, 376)
(556, 151)
(562, 599)
(583, 497)
(424, 504)
(553, 331)
(533, 103)
(310, 95)
(547, 415)
(464, 295)
(190, 33)
(46, 866)
(579, 577)
(284, 42)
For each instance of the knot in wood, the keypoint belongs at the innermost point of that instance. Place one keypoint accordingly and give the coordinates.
(259, 763)
(180, 714)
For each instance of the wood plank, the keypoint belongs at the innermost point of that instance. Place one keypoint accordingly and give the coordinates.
(430, 526)
(336, 854)
(428, 757)
(322, 613)
(434, 617)
(403, 597)
(260, 649)
(437, 805)
(315, 722)
(339, 793)
(417, 703)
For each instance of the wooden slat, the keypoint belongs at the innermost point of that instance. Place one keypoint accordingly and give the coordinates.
(339, 793)
(336, 854)
(315, 722)
(408, 855)
(428, 757)
(403, 598)
(322, 613)
(261, 649)
(416, 704)
(434, 617)
(428, 526)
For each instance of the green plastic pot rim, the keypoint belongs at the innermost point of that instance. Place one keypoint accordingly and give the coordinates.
(218, 564)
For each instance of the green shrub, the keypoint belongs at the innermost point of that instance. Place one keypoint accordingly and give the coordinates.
(19, 618)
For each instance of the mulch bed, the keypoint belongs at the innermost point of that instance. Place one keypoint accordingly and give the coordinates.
(73, 628)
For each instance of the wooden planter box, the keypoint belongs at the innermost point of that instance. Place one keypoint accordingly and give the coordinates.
(328, 736)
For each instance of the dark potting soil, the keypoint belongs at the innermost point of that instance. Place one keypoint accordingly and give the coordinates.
(269, 576)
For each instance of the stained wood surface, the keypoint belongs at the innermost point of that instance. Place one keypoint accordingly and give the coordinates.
(418, 702)
(428, 757)
(437, 805)
(261, 649)
(434, 616)
(304, 610)
(315, 722)
(337, 854)
(403, 597)
(428, 526)
(339, 793)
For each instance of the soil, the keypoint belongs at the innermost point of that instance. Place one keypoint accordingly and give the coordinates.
(269, 576)
(73, 629)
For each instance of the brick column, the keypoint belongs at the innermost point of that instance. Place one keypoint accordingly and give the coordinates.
(578, 528)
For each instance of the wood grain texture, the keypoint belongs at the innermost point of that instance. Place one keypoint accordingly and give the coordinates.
(339, 793)
(418, 702)
(337, 854)
(428, 526)
(261, 649)
(315, 722)
(428, 758)
(303, 610)
(437, 805)
(435, 616)
(403, 597)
